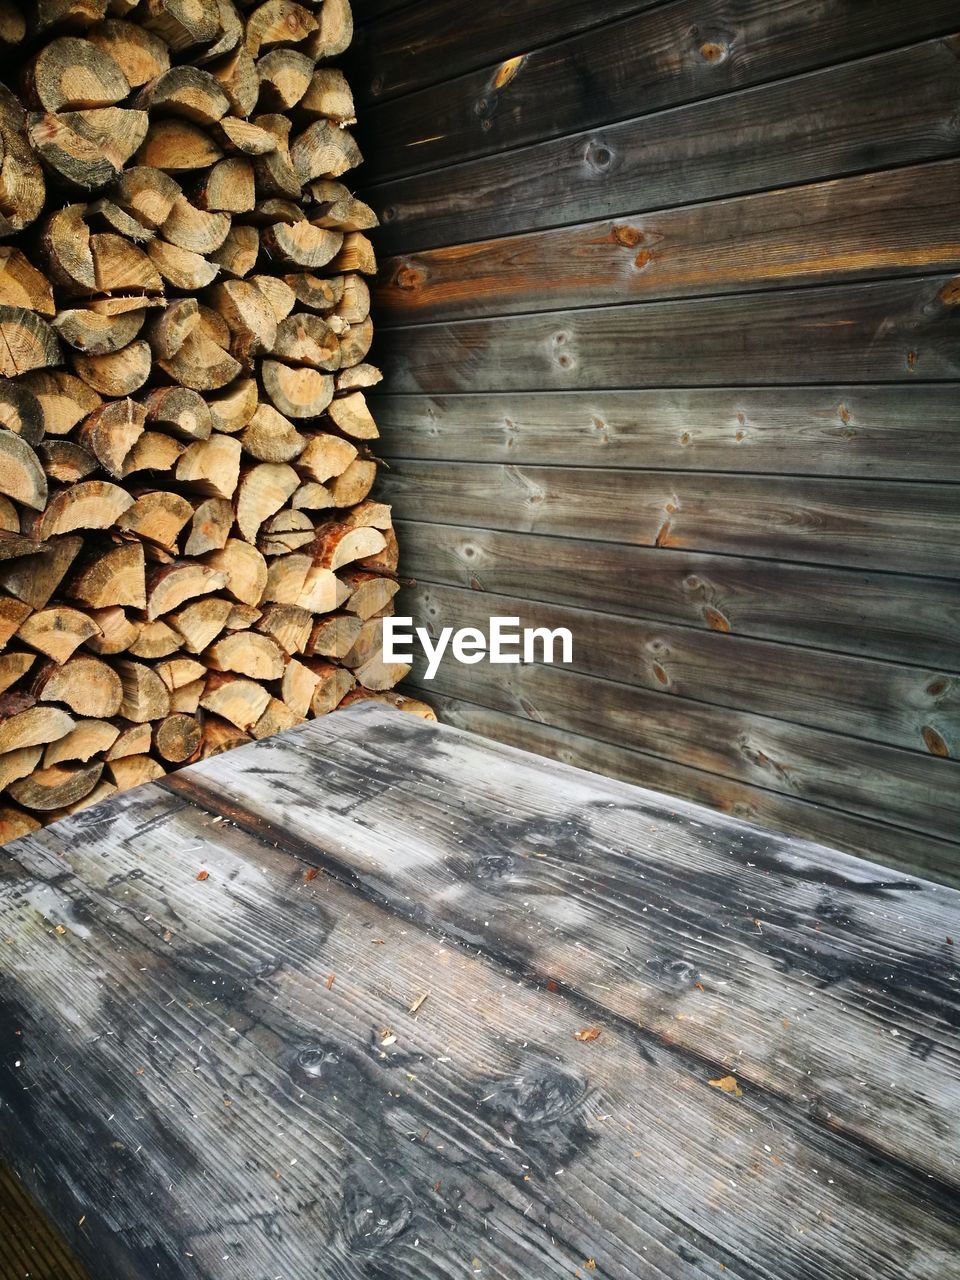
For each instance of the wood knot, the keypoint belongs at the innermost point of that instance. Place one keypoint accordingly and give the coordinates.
(599, 156)
(715, 620)
(938, 686)
(629, 237)
(643, 259)
(407, 278)
(714, 51)
(843, 413)
(508, 70)
(661, 675)
(934, 743)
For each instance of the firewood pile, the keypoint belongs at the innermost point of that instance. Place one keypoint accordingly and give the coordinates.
(189, 555)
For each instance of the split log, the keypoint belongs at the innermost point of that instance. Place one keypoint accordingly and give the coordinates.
(145, 696)
(172, 585)
(289, 625)
(211, 467)
(87, 739)
(35, 578)
(177, 738)
(238, 700)
(21, 474)
(334, 636)
(88, 686)
(370, 593)
(287, 531)
(277, 717)
(25, 723)
(220, 735)
(270, 437)
(333, 685)
(199, 623)
(87, 149)
(56, 787)
(139, 54)
(132, 740)
(18, 764)
(117, 631)
(13, 667)
(22, 285)
(245, 570)
(57, 632)
(154, 640)
(128, 772)
(296, 392)
(247, 653)
(262, 491)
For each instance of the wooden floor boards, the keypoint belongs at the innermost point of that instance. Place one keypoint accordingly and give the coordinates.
(379, 999)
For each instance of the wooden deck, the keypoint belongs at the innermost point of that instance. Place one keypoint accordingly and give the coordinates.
(380, 1000)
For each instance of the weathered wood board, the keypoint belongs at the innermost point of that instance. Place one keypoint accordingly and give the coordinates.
(220, 1057)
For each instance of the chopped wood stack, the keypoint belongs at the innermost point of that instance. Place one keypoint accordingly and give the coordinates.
(189, 555)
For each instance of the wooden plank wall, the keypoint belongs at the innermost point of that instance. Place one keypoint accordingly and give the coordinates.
(671, 320)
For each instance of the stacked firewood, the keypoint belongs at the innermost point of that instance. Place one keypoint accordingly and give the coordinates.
(189, 555)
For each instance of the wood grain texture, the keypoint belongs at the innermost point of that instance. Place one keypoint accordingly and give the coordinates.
(433, 40)
(256, 1118)
(896, 432)
(799, 969)
(907, 851)
(879, 525)
(892, 109)
(881, 615)
(911, 707)
(896, 222)
(674, 53)
(888, 331)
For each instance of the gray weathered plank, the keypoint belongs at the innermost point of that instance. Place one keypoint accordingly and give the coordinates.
(907, 851)
(818, 976)
(882, 615)
(886, 331)
(879, 525)
(913, 707)
(892, 109)
(181, 1074)
(892, 432)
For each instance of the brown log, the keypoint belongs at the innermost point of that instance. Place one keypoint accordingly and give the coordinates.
(201, 364)
(333, 684)
(65, 461)
(86, 685)
(277, 717)
(185, 91)
(186, 699)
(368, 512)
(333, 636)
(177, 738)
(278, 293)
(245, 568)
(307, 339)
(87, 149)
(253, 325)
(154, 451)
(334, 31)
(140, 54)
(370, 593)
(170, 586)
(70, 74)
(35, 578)
(199, 623)
(181, 24)
(21, 474)
(325, 456)
(117, 631)
(289, 625)
(399, 701)
(112, 577)
(301, 244)
(97, 334)
(324, 150)
(179, 410)
(63, 399)
(57, 631)
(132, 740)
(353, 485)
(118, 264)
(317, 293)
(195, 229)
(278, 22)
(128, 772)
(13, 666)
(237, 699)
(22, 187)
(228, 187)
(21, 412)
(26, 342)
(72, 13)
(270, 437)
(18, 764)
(24, 723)
(92, 504)
(285, 76)
(211, 467)
(286, 531)
(219, 735)
(338, 544)
(298, 687)
(154, 640)
(177, 146)
(286, 578)
(14, 823)
(238, 254)
(22, 285)
(13, 25)
(157, 517)
(56, 787)
(262, 491)
(177, 673)
(355, 343)
(13, 614)
(358, 376)
(119, 374)
(356, 254)
(147, 194)
(145, 696)
(385, 560)
(329, 97)
(210, 527)
(88, 738)
(111, 431)
(246, 653)
(296, 393)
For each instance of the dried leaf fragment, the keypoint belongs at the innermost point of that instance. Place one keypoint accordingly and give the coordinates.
(587, 1034)
(418, 1002)
(311, 873)
(203, 875)
(727, 1084)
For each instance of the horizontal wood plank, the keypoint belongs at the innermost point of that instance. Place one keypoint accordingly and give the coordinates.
(881, 525)
(895, 222)
(892, 109)
(794, 962)
(677, 52)
(433, 40)
(888, 331)
(895, 432)
(889, 616)
(913, 707)
(901, 788)
(908, 851)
